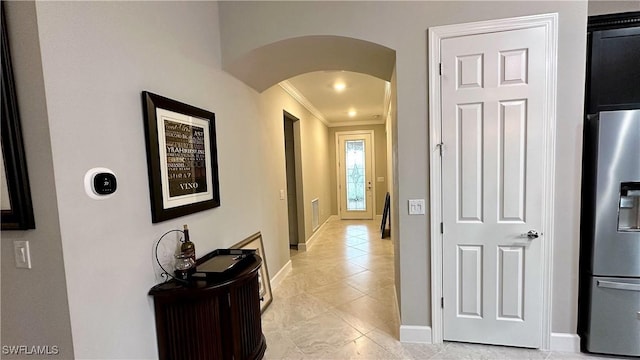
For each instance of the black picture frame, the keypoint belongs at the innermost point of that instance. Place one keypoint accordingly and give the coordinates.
(19, 215)
(182, 157)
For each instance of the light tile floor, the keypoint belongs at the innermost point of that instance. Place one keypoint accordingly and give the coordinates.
(339, 302)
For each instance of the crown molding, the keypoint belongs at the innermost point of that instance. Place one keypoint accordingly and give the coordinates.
(357, 123)
(613, 21)
(296, 95)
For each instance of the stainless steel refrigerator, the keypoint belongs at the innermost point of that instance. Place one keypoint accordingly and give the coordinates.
(609, 320)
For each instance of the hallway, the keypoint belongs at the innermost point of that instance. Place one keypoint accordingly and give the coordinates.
(339, 290)
(338, 302)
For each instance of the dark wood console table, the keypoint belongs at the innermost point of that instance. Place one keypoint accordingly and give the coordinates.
(211, 319)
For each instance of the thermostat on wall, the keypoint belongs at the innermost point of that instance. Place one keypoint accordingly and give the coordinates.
(100, 183)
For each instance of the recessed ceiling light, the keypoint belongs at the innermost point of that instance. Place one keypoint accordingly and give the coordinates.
(339, 86)
(352, 113)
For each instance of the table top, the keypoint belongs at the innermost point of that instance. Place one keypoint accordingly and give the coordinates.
(198, 285)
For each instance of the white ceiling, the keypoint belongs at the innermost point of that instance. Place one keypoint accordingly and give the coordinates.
(365, 94)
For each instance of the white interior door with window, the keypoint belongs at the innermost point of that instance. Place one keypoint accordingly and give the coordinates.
(494, 122)
(355, 174)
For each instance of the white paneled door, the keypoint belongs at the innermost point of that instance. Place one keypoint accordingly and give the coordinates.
(493, 107)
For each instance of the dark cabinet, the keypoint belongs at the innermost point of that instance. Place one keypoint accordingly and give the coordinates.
(612, 83)
(613, 67)
(210, 319)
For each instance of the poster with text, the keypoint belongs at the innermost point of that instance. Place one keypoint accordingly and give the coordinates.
(186, 155)
(184, 158)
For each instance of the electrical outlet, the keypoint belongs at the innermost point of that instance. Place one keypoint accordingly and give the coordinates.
(416, 207)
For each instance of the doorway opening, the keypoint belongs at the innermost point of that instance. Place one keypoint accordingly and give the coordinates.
(294, 183)
(263, 67)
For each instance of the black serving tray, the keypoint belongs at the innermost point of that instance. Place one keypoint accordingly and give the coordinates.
(221, 263)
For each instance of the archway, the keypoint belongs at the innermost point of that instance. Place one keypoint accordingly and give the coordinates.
(270, 64)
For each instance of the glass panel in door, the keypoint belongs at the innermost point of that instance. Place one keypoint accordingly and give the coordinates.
(355, 175)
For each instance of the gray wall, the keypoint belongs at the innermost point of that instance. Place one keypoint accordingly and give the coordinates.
(392, 182)
(313, 151)
(35, 310)
(611, 7)
(316, 169)
(97, 57)
(402, 26)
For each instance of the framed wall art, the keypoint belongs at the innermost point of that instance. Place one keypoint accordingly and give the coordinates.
(181, 157)
(15, 192)
(254, 242)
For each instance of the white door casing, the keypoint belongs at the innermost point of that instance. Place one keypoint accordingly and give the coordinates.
(492, 115)
(346, 210)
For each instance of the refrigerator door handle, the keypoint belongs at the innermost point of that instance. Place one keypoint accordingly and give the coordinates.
(618, 285)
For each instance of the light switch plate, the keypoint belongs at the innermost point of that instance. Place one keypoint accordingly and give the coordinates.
(416, 207)
(281, 194)
(21, 253)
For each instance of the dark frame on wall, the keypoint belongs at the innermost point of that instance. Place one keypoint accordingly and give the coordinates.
(18, 215)
(181, 157)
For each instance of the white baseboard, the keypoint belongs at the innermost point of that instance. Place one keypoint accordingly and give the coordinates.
(307, 245)
(563, 342)
(277, 278)
(560, 342)
(415, 334)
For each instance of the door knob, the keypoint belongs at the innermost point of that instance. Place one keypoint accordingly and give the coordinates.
(531, 234)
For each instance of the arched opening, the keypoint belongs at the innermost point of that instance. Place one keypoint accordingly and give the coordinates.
(268, 65)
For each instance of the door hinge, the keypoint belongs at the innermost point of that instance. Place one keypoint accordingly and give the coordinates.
(440, 68)
(442, 302)
(441, 228)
